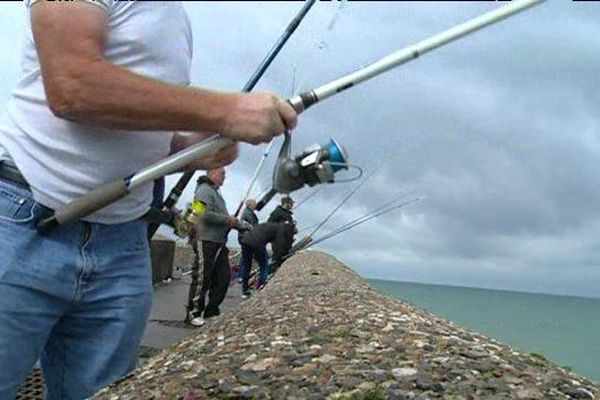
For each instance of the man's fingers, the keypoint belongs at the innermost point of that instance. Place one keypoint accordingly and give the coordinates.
(258, 118)
(287, 114)
(278, 128)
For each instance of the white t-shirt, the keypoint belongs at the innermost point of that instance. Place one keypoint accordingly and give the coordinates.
(63, 160)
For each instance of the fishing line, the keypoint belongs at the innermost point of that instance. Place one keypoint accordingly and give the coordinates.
(310, 195)
(333, 234)
(372, 212)
(344, 200)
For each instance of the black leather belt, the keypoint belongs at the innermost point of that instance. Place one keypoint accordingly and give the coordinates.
(12, 174)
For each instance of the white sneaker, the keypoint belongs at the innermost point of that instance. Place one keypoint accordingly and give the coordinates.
(198, 321)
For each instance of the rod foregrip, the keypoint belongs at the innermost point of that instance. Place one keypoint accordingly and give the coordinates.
(302, 101)
(85, 205)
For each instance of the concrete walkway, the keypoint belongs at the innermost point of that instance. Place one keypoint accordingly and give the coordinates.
(166, 325)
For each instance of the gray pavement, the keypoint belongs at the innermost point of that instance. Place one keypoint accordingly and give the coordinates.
(166, 326)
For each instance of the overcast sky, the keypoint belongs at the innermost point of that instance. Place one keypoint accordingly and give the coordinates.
(500, 130)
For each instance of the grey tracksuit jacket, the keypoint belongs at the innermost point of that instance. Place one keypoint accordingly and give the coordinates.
(213, 224)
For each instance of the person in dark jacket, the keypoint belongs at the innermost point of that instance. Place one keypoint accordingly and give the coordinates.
(279, 234)
(283, 212)
(249, 218)
(211, 232)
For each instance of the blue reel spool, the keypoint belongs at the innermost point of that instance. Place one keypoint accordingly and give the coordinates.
(337, 155)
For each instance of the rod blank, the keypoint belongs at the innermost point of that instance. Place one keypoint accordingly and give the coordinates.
(306, 99)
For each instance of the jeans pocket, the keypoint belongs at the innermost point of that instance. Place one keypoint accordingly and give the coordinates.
(15, 207)
(136, 237)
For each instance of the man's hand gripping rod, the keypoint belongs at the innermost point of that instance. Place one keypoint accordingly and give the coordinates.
(106, 194)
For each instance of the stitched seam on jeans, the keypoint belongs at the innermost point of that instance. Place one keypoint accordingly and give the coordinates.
(84, 259)
(61, 370)
(10, 195)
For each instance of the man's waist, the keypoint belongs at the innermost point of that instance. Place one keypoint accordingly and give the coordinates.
(10, 172)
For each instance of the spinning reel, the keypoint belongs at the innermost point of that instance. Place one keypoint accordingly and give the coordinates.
(316, 164)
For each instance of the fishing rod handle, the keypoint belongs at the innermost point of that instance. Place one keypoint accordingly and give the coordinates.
(169, 203)
(106, 194)
(85, 205)
(177, 190)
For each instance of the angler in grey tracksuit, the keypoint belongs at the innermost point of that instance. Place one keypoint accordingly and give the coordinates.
(211, 233)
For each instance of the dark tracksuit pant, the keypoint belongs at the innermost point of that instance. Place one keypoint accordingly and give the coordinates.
(215, 278)
(261, 257)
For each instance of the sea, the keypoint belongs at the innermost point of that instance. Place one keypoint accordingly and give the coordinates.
(563, 329)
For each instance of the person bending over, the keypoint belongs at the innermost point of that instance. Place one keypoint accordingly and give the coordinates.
(279, 234)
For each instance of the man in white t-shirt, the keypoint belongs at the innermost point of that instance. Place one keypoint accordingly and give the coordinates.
(104, 86)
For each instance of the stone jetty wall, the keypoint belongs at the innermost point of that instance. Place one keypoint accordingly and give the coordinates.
(319, 331)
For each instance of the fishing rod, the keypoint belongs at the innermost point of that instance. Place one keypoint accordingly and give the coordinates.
(179, 187)
(359, 222)
(372, 212)
(303, 243)
(302, 246)
(308, 227)
(112, 191)
(254, 177)
(309, 238)
(261, 162)
(303, 200)
(266, 153)
(341, 203)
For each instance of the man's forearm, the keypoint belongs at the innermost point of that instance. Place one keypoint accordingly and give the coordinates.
(102, 94)
(82, 85)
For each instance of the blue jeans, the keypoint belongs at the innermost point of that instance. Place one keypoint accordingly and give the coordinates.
(76, 298)
(261, 257)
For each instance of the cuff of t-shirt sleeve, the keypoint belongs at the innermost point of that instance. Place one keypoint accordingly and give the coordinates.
(103, 4)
